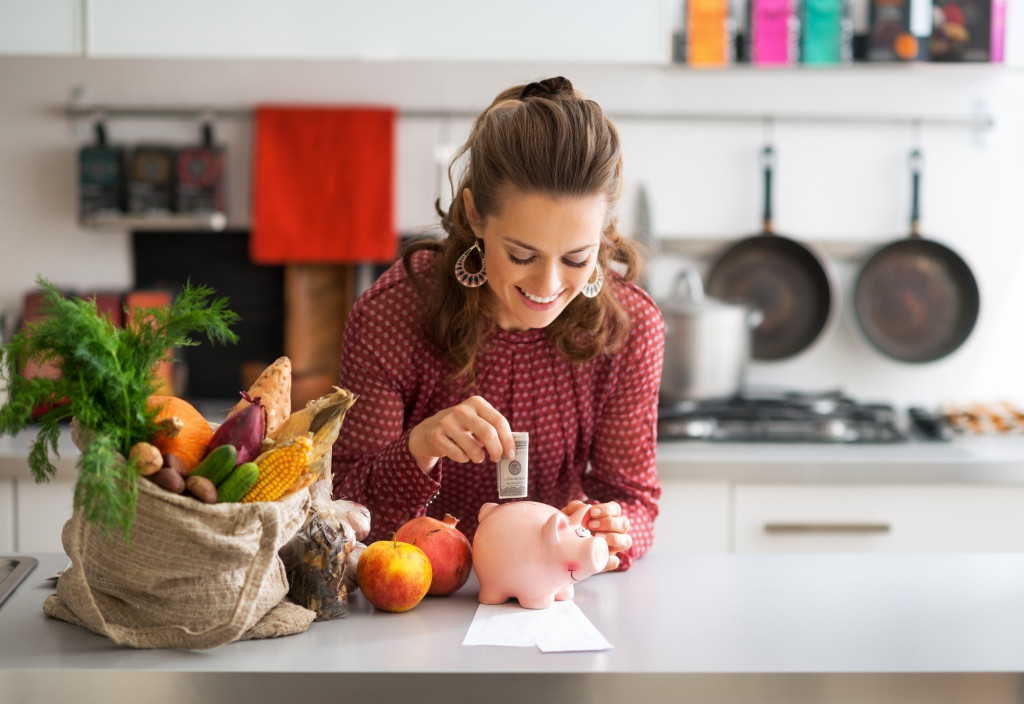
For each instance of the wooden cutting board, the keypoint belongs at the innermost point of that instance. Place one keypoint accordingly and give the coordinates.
(317, 298)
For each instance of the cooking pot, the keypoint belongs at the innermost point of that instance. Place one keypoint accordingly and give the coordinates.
(707, 343)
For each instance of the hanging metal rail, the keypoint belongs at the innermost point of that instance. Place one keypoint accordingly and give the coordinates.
(979, 121)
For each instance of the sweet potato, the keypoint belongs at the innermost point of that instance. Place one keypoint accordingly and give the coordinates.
(274, 389)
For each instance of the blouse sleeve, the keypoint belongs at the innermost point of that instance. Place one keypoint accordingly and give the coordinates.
(623, 467)
(372, 464)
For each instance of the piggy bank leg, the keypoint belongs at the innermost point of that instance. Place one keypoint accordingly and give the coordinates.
(493, 596)
(566, 593)
(536, 602)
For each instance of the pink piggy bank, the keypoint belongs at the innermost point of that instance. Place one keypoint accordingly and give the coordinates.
(533, 552)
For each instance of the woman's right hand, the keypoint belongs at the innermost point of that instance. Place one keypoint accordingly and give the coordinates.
(472, 431)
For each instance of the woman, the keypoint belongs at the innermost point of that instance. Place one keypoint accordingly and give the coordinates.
(516, 321)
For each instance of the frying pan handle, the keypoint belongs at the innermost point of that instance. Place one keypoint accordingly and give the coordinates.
(768, 166)
(915, 193)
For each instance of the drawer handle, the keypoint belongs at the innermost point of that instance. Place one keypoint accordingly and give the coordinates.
(827, 528)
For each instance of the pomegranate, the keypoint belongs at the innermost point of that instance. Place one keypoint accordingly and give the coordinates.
(449, 551)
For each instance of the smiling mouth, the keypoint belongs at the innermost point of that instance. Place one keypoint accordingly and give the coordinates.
(539, 299)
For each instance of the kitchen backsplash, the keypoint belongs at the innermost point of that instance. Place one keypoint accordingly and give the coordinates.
(834, 183)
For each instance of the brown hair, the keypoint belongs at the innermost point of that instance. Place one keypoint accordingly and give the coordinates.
(540, 138)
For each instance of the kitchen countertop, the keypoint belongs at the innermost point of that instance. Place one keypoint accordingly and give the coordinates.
(971, 459)
(766, 628)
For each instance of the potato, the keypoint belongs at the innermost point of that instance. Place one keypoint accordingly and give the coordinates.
(202, 488)
(176, 463)
(147, 458)
(167, 478)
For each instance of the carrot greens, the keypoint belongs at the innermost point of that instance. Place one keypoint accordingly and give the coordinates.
(107, 375)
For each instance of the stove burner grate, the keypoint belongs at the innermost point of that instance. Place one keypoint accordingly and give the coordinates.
(765, 416)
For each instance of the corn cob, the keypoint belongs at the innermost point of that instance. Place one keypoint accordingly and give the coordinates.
(280, 469)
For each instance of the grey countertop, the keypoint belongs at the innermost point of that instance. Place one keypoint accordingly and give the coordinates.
(973, 459)
(720, 627)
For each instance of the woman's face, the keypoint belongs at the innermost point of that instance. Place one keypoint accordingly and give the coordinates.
(540, 252)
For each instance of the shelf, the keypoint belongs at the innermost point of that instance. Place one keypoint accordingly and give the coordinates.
(172, 221)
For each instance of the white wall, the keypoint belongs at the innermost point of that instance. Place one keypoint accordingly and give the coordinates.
(833, 182)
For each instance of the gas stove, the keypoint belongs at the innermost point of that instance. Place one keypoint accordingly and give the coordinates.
(792, 417)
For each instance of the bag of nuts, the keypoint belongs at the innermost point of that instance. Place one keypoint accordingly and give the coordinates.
(318, 559)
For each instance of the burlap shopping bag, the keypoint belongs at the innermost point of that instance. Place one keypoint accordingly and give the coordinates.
(191, 575)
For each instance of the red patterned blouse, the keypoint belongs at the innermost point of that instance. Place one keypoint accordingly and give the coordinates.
(592, 426)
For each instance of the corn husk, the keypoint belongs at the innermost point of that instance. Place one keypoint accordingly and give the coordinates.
(322, 417)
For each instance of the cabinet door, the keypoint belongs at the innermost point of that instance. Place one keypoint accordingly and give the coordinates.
(878, 518)
(445, 30)
(693, 518)
(42, 511)
(7, 515)
(41, 27)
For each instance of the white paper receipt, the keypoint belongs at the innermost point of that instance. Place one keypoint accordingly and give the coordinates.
(560, 628)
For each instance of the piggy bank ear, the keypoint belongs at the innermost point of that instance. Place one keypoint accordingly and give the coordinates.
(579, 514)
(485, 509)
(558, 521)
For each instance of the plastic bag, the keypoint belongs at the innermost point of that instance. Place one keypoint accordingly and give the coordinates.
(317, 560)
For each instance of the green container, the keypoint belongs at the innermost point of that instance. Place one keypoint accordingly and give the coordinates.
(826, 32)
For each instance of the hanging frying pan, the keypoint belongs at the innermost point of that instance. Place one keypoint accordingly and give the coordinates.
(915, 299)
(790, 284)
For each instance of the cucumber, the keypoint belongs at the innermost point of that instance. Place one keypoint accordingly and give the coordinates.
(217, 465)
(238, 483)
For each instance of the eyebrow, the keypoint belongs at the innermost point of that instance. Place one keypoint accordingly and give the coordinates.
(517, 243)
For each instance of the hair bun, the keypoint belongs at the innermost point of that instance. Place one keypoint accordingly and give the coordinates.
(548, 88)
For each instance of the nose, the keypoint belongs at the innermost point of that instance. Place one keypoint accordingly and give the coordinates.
(547, 282)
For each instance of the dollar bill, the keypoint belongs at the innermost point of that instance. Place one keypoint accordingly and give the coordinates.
(513, 474)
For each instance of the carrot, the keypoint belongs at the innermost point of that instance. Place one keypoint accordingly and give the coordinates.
(274, 389)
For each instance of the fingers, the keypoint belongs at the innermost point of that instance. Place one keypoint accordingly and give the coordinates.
(478, 430)
(608, 521)
(617, 542)
(613, 563)
(608, 518)
(471, 431)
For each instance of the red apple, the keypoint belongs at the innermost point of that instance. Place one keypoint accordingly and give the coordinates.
(393, 575)
(449, 551)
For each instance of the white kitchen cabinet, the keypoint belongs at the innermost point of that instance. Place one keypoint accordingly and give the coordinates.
(919, 518)
(606, 31)
(41, 27)
(42, 511)
(694, 518)
(6, 515)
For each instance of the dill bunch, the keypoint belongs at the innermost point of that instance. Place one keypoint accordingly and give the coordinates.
(107, 375)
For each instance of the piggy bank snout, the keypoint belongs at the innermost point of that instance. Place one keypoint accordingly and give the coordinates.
(599, 553)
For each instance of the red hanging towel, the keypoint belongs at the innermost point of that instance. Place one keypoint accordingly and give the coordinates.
(324, 185)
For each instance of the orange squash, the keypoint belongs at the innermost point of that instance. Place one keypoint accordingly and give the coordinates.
(183, 430)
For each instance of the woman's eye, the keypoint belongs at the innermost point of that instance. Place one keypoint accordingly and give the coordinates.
(575, 264)
(517, 260)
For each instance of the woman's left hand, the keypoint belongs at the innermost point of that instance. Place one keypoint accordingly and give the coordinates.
(607, 521)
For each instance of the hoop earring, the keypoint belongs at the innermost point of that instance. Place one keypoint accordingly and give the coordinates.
(592, 288)
(464, 277)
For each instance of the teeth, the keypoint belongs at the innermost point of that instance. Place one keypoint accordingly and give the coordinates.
(539, 299)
